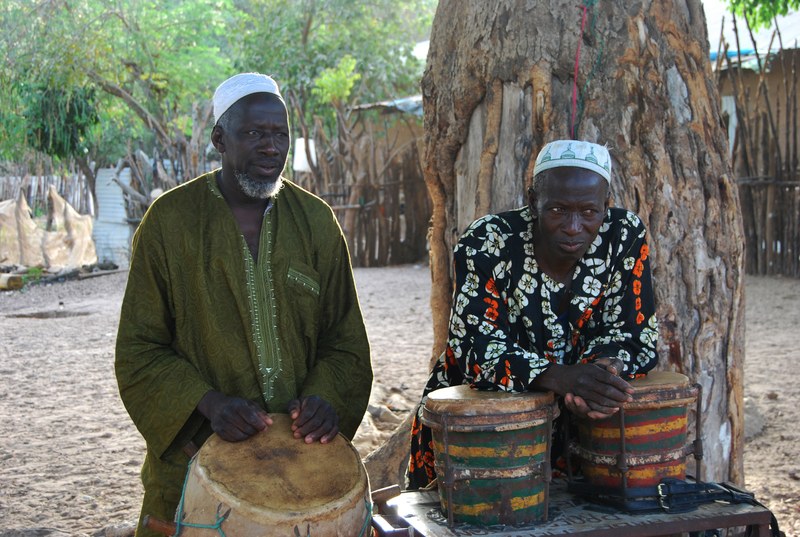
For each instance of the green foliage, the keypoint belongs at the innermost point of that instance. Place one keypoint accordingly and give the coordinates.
(32, 275)
(333, 85)
(297, 40)
(163, 59)
(58, 121)
(760, 13)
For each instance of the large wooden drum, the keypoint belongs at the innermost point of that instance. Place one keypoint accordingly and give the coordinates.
(492, 454)
(275, 485)
(626, 456)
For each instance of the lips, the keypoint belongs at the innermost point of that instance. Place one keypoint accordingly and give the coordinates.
(268, 168)
(571, 246)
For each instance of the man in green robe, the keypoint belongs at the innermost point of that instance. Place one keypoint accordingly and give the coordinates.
(240, 301)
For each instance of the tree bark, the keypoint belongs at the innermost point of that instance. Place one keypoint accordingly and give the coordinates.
(499, 84)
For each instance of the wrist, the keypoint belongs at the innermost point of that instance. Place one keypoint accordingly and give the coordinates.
(210, 401)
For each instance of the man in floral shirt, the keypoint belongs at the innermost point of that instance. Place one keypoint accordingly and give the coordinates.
(555, 296)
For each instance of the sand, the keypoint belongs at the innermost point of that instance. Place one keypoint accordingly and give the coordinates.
(70, 456)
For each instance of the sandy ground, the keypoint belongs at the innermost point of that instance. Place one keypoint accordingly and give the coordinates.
(70, 456)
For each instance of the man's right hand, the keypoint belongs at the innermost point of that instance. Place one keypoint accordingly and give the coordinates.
(233, 418)
(592, 391)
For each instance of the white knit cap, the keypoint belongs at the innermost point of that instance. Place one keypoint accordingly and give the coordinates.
(239, 86)
(578, 154)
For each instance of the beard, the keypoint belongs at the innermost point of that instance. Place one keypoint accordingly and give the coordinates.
(258, 189)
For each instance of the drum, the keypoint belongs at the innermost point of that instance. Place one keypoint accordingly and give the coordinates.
(492, 454)
(275, 485)
(626, 456)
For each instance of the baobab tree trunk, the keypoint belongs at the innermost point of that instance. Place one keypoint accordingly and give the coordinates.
(499, 84)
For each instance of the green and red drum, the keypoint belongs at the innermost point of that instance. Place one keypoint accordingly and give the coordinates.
(627, 455)
(492, 453)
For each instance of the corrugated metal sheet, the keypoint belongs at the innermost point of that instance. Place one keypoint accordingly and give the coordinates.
(112, 233)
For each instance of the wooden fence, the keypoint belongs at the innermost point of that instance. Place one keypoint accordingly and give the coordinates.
(771, 219)
(72, 187)
(391, 216)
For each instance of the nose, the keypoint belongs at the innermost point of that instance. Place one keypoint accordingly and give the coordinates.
(574, 225)
(269, 144)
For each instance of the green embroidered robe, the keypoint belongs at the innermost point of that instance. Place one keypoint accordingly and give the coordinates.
(199, 315)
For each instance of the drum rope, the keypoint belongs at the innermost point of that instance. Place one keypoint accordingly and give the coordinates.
(179, 513)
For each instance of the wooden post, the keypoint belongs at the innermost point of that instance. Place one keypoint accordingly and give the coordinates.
(11, 281)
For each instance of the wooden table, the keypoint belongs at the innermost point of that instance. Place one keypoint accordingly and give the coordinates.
(418, 514)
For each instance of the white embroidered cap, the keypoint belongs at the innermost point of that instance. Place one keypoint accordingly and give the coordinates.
(239, 86)
(575, 153)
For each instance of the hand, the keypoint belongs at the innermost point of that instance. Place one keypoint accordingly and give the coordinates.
(313, 418)
(615, 366)
(577, 406)
(233, 418)
(590, 390)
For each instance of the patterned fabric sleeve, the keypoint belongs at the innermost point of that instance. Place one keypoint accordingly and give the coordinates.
(481, 337)
(628, 310)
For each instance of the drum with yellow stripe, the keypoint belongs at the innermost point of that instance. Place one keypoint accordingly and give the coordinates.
(492, 453)
(628, 454)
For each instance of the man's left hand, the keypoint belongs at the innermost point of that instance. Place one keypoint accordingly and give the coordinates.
(580, 407)
(313, 419)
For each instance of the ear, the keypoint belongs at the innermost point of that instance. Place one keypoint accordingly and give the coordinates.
(532, 202)
(216, 139)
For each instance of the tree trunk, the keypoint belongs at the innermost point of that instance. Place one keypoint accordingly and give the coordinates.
(499, 85)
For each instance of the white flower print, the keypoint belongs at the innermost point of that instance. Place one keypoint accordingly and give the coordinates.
(628, 263)
(495, 349)
(470, 265)
(528, 249)
(473, 320)
(611, 314)
(591, 286)
(633, 219)
(499, 270)
(493, 242)
(457, 327)
(521, 298)
(615, 283)
(623, 233)
(461, 302)
(648, 336)
(471, 284)
(485, 328)
(527, 283)
(529, 265)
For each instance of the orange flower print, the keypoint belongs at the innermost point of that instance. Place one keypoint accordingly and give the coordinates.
(491, 288)
(491, 311)
(639, 318)
(644, 252)
(638, 268)
(638, 303)
(637, 287)
(506, 380)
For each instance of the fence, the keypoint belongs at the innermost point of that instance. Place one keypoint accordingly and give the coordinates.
(388, 224)
(72, 187)
(771, 219)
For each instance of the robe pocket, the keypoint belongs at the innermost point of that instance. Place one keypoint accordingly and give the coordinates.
(304, 278)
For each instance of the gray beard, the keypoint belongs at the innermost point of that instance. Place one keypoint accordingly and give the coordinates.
(257, 189)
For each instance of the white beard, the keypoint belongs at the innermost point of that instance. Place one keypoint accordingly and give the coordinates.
(258, 189)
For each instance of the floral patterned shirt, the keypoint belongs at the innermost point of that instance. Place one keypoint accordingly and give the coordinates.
(510, 321)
